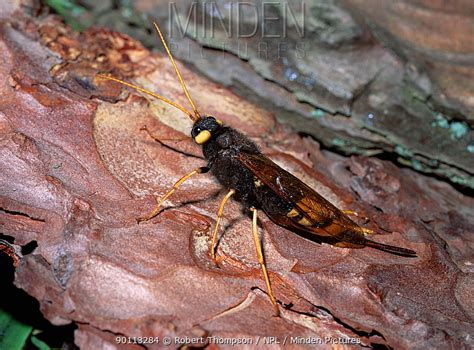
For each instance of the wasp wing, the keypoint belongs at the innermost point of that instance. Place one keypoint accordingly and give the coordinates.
(310, 212)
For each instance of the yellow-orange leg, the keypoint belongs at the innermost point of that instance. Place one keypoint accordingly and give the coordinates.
(178, 183)
(218, 221)
(261, 260)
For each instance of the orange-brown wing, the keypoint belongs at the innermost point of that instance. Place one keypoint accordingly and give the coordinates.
(310, 211)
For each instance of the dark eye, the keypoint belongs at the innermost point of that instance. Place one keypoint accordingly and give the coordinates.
(196, 130)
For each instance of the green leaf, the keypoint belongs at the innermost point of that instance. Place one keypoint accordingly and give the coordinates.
(13, 333)
(69, 10)
(41, 345)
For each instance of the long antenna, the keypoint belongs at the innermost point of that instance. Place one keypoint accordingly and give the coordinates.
(181, 81)
(164, 99)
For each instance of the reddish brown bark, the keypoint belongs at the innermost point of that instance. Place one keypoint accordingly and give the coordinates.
(78, 171)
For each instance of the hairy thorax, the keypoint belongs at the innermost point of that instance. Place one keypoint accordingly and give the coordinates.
(222, 154)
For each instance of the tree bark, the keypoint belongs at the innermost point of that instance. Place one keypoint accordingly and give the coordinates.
(78, 169)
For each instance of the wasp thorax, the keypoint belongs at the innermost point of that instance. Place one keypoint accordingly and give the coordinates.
(205, 128)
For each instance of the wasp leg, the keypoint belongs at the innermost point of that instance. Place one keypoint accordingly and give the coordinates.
(356, 214)
(261, 261)
(218, 221)
(156, 209)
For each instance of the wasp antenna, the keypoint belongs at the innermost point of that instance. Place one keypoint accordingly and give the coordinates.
(181, 81)
(164, 99)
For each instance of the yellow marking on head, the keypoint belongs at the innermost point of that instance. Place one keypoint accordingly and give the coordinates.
(293, 213)
(305, 222)
(202, 137)
(218, 121)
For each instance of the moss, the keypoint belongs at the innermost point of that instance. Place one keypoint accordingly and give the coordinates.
(339, 142)
(458, 130)
(417, 165)
(404, 152)
(440, 122)
(317, 113)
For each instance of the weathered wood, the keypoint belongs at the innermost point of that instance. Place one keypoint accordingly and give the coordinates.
(76, 172)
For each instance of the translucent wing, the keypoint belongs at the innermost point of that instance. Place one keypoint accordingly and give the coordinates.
(309, 212)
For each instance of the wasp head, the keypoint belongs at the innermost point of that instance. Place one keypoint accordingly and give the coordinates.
(205, 128)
